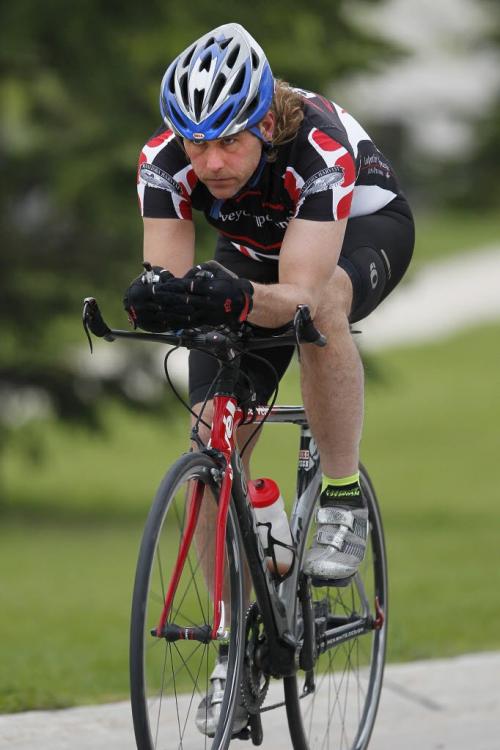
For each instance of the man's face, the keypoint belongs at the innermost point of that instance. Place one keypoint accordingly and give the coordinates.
(226, 164)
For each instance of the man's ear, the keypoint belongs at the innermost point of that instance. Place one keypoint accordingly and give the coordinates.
(266, 125)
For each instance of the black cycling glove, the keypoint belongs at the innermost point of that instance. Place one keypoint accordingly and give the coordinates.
(139, 301)
(207, 295)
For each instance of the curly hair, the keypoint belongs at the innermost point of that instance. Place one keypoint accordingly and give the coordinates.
(288, 109)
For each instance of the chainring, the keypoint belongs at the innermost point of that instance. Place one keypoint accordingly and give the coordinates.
(254, 682)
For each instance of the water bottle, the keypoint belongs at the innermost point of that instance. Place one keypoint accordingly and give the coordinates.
(272, 522)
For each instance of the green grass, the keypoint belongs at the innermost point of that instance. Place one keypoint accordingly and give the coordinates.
(65, 596)
(71, 528)
(440, 235)
(431, 441)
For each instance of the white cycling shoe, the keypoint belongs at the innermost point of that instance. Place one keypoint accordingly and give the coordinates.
(209, 711)
(339, 547)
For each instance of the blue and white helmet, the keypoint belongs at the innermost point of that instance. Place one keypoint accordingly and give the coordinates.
(218, 86)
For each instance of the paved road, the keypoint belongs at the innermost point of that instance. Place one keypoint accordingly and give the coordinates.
(449, 704)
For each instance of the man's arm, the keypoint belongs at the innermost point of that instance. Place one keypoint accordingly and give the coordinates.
(169, 243)
(308, 258)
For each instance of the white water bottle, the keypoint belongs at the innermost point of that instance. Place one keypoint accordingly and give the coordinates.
(270, 509)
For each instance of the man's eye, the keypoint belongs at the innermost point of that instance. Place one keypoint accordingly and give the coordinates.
(228, 141)
(194, 144)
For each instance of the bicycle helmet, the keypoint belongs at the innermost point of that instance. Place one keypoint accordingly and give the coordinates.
(220, 85)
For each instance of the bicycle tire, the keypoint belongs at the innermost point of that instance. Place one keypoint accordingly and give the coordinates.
(341, 712)
(167, 679)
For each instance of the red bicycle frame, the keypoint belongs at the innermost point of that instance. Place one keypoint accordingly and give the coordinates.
(227, 416)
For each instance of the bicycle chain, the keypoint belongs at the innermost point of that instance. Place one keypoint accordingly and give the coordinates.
(254, 683)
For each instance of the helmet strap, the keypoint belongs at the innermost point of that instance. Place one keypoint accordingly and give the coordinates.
(256, 131)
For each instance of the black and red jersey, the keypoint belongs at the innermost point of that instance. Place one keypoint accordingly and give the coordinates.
(331, 170)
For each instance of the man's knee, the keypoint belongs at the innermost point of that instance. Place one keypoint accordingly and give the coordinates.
(336, 301)
(368, 274)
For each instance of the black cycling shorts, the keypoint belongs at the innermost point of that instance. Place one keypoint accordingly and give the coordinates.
(376, 252)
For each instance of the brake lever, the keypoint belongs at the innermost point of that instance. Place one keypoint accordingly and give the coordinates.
(305, 330)
(94, 322)
(86, 325)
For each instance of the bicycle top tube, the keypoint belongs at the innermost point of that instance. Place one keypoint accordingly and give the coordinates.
(278, 415)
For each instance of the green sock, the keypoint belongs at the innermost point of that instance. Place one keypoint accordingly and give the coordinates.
(338, 490)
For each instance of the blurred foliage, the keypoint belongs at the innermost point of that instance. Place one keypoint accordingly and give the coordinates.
(470, 181)
(78, 98)
(479, 167)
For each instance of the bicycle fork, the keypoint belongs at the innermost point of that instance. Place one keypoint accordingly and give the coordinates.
(226, 418)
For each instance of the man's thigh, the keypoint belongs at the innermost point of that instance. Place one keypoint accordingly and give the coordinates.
(376, 252)
(260, 374)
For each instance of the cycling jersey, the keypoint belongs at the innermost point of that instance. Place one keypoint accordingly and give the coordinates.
(331, 170)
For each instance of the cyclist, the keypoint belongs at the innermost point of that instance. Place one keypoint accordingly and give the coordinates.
(308, 211)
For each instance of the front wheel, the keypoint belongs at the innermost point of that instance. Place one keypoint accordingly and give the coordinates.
(334, 707)
(170, 679)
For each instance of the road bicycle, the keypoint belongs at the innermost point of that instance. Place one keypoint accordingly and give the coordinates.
(317, 651)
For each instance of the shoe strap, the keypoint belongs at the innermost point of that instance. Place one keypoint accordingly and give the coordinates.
(219, 671)
(336, 516)
(334, 536)
(218, 692)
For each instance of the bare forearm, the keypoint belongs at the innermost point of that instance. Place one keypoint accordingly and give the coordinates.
(302, 278)
(274, 305)
(169, 243)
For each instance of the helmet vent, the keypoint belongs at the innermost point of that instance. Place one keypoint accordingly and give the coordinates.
(198, 103)
(206, 61)
(217, 87)
(209, 42)
(233, 56)
(252, 106)
(238, 82)
(179, 117)
(224, 43)
(171, 84)
(255, 60)
(189, 56)
(222, 118)
(183, 83)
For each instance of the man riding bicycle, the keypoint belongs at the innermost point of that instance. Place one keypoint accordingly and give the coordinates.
(308, 211)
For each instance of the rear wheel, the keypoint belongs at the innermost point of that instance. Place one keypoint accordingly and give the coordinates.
(334, 708)
(170, 679)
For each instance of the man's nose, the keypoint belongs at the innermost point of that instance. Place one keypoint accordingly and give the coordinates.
(214, 160)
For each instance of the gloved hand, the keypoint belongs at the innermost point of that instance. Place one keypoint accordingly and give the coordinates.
(214, 296)
(139, 301)
(207, 295)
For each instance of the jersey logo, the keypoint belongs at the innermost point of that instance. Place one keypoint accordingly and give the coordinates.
(158, 178)
(325, 179)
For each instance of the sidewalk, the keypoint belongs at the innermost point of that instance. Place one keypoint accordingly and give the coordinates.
(448, 704)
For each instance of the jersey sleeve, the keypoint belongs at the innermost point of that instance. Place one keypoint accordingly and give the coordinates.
(165, 179)
(322, 182)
